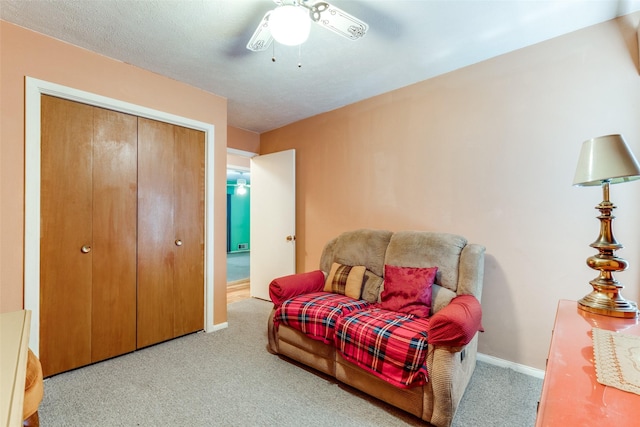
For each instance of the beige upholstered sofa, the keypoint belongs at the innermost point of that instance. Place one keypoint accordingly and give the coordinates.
(450, 360)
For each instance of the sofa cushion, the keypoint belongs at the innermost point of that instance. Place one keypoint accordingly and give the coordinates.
(426, 249)
(345, 280)
(357, 247)
(408, 289)
(390, 345)
(315, 314)
(283, 288)
(371, 287)
(457, 323)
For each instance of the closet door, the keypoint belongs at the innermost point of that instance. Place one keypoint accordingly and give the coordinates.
(189, 228)
(156, 239)
(66, 226)
(88, 234)
(170, 231)
(113, 324)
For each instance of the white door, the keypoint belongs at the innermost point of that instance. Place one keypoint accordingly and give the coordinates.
(273, 220)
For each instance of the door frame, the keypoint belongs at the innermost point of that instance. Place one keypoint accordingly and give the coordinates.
(34, 89)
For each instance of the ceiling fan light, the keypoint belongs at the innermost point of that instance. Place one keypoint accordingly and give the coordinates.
(241, 186)
(290, 25)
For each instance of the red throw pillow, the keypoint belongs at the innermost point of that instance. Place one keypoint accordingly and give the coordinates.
(408, 289)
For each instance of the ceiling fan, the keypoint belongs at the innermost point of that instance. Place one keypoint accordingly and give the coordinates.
(322, 13)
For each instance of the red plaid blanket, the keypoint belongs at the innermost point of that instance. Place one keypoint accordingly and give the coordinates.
(315, 314)
(390, 345)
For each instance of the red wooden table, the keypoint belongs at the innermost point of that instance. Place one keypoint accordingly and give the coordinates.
(571, 394)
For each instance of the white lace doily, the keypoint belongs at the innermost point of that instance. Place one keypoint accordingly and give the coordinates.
(617, 359)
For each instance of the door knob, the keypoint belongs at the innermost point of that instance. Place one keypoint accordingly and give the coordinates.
(291, 238)
(85, 249)
(178, 242)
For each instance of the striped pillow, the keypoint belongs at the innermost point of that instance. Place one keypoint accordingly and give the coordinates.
(345, 280)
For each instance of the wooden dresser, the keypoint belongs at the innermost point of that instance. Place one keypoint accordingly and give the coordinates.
(571, 394)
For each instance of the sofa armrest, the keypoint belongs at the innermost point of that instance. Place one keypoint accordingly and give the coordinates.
(471, 271)
(456, 324)
(283, 288)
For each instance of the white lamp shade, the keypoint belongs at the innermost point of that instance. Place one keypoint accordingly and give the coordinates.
(606, 158)
(290, 25)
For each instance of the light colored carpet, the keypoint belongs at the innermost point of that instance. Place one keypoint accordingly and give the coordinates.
(227, 378)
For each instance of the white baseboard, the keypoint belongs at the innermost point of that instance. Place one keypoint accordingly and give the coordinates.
(219, 326)
(523, 369)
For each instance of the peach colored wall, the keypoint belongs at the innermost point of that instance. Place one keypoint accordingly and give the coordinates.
(238, 162)
(26, 53)
(242, 139)
(487, 152)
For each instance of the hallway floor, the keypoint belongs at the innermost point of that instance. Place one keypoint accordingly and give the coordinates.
(238, 276)
(238, 292)
(238, 266)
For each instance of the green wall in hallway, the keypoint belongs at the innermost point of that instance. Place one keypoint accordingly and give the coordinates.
(238, 218)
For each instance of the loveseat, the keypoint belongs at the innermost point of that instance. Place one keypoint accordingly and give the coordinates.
(380, 281)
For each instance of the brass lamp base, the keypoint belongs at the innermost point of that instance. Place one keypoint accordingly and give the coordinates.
(605, 298)
(601, 303)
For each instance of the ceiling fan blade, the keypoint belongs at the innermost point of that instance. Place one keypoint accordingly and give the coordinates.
(261, 38)
(337, 20)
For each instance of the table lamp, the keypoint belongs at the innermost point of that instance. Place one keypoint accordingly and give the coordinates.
(603, 161)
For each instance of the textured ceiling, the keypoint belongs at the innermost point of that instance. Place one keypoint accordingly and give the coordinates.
(202, 43)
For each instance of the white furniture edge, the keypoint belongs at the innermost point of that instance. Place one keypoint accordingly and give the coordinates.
(14, 329)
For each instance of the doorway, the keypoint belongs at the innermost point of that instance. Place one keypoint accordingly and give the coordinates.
(238, 227)
(272, 233)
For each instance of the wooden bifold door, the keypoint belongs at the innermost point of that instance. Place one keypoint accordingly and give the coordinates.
(170, 231)
(122, 233)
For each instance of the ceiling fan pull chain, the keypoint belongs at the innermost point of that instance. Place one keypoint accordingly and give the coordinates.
(273, 54)
(299, 55)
